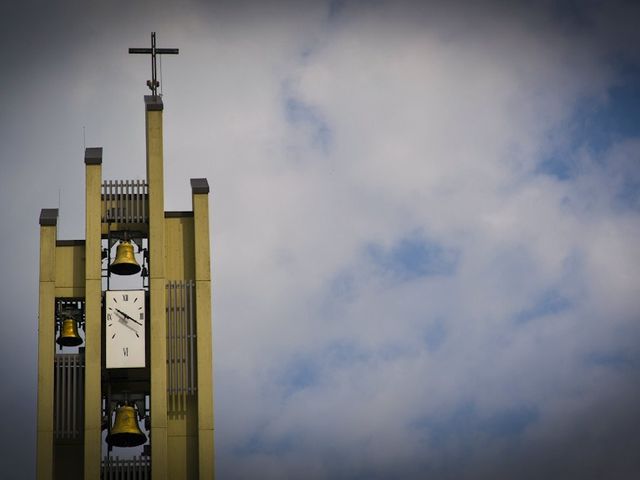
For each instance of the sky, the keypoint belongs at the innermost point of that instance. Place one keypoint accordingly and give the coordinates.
(424, 221)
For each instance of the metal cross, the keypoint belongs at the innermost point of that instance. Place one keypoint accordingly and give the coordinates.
(153, 84)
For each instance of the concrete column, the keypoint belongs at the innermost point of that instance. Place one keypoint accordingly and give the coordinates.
(158, 337)
(93, 314)
(46, 345)
(206, 447)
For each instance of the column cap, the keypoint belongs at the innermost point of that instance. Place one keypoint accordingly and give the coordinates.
(93, 156)
(48, 217)
(153, 103)
(199, 185)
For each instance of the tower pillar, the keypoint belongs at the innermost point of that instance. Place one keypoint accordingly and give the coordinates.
(93, 314)
(200, 199)
(157, 294)
(46, 331)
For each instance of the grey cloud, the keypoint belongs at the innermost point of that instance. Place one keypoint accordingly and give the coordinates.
(438, 114)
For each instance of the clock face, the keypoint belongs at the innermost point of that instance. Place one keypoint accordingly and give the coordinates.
(125, 319)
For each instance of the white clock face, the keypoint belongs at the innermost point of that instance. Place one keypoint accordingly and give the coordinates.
(125, 328)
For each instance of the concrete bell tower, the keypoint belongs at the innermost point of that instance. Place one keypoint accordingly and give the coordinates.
(125, 360)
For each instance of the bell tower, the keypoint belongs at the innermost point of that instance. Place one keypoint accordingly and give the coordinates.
(125, 360)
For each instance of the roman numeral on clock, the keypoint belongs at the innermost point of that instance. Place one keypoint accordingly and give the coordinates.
(125, 351)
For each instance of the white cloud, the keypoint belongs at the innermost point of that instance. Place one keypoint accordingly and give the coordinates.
(435, 125)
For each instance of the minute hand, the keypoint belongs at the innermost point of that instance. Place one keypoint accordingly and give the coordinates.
(122, 313)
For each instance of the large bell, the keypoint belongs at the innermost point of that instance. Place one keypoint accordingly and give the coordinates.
(125, 431)
(69, 335)
(125, 262)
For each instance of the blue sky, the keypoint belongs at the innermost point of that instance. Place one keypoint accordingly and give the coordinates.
(424, 221)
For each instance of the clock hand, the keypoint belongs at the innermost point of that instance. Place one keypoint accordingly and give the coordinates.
(127, 316)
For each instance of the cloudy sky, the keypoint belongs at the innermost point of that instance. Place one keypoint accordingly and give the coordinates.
(425, 221)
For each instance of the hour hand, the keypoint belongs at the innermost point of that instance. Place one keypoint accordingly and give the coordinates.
(127, 316)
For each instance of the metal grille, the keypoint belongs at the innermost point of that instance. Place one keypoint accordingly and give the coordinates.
(68, 395)
(125, 201)
(134, 468)
(181, 339)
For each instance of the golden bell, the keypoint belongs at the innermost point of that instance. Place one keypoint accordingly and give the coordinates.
(69, 335)
(125, 262)
(125, 431)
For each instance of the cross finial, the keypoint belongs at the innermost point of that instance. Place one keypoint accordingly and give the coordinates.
(153, 84)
